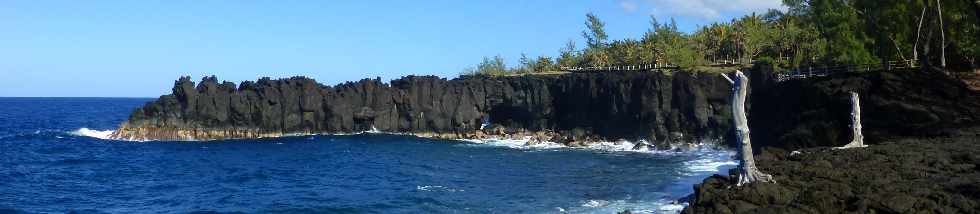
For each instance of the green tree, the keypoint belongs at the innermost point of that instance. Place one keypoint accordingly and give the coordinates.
(684, 56)
(671, 46)
(810, 32)
(596, 39)
(626, 52)
(544, 64)
(713, 42)
(597, 57)
(701, 41)
(839, 24)
(784, 37)
(963, 32)
(526, 65)
(568, 55)
(756, 36)
(595, 33)
(489, 67)
(810, 46)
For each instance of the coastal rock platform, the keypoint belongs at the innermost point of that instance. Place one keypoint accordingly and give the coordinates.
(909, 175)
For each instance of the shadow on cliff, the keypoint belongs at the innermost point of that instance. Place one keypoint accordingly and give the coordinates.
(815, 112)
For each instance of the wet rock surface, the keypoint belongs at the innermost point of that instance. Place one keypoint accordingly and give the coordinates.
(680, 107)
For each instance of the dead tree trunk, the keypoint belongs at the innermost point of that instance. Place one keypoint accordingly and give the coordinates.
(858, 141)
(897, 48)
(918, 33)
(942, 33)
(748, 172)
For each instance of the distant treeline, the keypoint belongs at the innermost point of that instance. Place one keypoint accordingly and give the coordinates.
(942, 33)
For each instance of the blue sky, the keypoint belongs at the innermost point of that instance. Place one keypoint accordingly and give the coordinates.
(138, 48)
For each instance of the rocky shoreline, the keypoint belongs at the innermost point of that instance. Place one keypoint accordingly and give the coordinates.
(497, 133)
(906, 175)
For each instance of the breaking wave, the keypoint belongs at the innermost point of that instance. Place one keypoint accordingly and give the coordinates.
(615, 206)
(527, 143)
(86, 132)
(709, 158)
(708, 165)
(514, 144)
(702, 160)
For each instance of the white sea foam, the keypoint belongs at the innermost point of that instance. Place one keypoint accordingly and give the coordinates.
(595, 203)
(673, 207)
(526, 143)
(437, 189)
(707, 165)
(86, 132)
(619, 146)
(703, 159)
(709, 161)
(515, 144)
(614, 206)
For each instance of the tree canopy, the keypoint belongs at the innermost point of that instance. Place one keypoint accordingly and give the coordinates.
(808, 33)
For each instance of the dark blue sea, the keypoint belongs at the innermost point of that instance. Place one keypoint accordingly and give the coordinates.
(53, 160)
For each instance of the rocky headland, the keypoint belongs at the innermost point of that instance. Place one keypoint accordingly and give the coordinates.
(573, 108)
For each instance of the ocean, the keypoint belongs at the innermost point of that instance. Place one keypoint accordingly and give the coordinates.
(54, 158)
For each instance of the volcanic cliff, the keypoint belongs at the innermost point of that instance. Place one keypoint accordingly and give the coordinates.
(570, 108)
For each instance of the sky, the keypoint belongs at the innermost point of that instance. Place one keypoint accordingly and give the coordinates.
(67, 48)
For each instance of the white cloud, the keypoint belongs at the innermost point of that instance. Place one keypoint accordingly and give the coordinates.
(708, 10)
(628, 6)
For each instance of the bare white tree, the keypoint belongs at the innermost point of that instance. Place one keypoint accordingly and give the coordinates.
(858, 141)
(942, 33)
(748, 172)
(918, 33)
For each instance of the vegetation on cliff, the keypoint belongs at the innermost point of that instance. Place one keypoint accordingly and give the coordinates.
(809, 33)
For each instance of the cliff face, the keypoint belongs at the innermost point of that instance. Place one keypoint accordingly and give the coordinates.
(816, 112)
(682, 107)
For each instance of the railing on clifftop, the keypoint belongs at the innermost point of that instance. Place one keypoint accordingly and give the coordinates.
(642, 67)
(809, 72)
